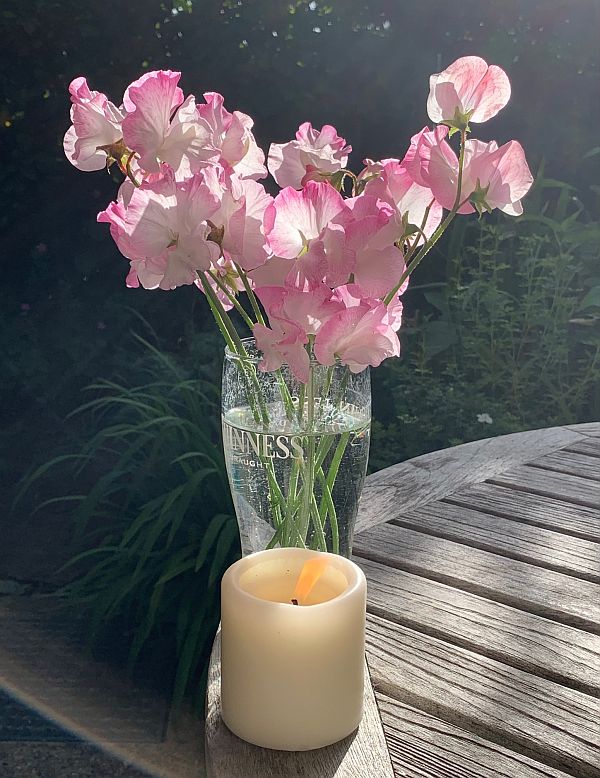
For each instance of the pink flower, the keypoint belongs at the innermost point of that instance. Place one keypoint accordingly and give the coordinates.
(295, 219)
(469, 87)
(493, 177)
(283, 343)
(365, 246)
(96, 123)
(358, 336)
(240, 217)
(164, 230)
(311, 155)
(308, 309)
(272, 273)
(230, 137)
(417, 158)
(162, 127)
(410, 200)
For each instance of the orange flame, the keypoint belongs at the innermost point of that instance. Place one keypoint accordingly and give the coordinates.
(309, 575)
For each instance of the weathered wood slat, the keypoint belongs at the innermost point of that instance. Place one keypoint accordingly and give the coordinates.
(422, 746)
(545, 721)
(533, 509)
(547, 648)
(512, 582)
(570, 462)
(591, 428)
(509, 538)
(570, 488)
(441, 473)
(589, 446)
(363, 754)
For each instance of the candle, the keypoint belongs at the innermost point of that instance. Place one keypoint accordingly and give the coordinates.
(292, 674)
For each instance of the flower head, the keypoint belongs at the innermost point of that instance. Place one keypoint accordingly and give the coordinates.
(164, 230)
(360, 335)
(468, 90)
(313, 155)
(96, 127)
(229, 136)
(162, 127)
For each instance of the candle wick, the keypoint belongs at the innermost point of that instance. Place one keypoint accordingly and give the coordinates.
(294, 601)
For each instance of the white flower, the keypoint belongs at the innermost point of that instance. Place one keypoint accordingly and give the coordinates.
(484, 418)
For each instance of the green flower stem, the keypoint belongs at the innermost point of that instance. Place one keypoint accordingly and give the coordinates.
(441, 228)
(232, 299)
(327, 506)
(309, 467)
(319, 536)
(237, 347)
(250, 292)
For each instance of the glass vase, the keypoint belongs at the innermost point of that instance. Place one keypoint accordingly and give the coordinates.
(296, 453)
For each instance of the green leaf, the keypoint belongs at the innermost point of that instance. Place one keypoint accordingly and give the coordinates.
(226, 539)
(209, 538)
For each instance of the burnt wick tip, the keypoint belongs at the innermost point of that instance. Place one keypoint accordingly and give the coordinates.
(294, 601)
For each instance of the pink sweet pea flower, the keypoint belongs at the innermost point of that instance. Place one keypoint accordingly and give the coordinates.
(365, 247)
(308, 309)
(295, 219)
(96, 123)
(272, 273)
(230, 137)
(469, 87)
(417, 158)
(312, 155)
(283, 343)
(164, 231)
(410, 200)
(359, 336)
(493, 177)
(240, 217)
(162, 127)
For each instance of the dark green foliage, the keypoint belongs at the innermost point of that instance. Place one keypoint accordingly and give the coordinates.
(512, 334)
(152, 511)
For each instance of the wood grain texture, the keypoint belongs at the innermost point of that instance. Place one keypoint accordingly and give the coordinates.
(570, 488)
(441, 473)
(591, 428)
(423, 746)
(510, 581)
(502, 536)
(540, 719)
(361, 755)
(589, 446)
(523, 640)
(570, 462)
(577, 520)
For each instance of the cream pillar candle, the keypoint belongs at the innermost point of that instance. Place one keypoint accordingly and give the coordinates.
(292, 676)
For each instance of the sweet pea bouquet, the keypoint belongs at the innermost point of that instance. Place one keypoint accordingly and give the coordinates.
(317, 271)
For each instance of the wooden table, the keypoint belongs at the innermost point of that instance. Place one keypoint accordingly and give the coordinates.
(483, 629)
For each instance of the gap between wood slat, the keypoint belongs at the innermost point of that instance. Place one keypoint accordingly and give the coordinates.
(428, 746)
(497, 703)
(526, 606)
(492, 549)
(579, 449)
(541, 492)
(552, 468)
(466, 502)
(498, 656)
